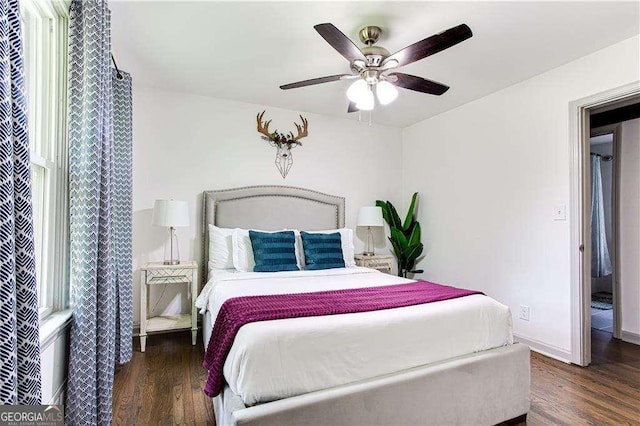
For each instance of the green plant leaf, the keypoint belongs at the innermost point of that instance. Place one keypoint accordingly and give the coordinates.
(412, 252)
(409, 256)
(393, 215)
(399, 237)
(414, 237)
(409, 219)
(385, 211)
(404, 238)
(410, 264)
(407, 232)
(397, 250)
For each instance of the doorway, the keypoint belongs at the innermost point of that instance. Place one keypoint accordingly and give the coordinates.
(582, 251)
(603, 153)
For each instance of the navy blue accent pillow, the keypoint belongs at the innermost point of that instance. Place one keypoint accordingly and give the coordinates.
(274, 251)
(322, 251)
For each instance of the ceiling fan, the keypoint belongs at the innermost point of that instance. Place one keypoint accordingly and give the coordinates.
(373, 66)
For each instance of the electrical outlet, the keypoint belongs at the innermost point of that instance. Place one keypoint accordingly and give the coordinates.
(524, 313)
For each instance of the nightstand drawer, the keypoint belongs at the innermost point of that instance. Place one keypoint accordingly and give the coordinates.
(169, 276)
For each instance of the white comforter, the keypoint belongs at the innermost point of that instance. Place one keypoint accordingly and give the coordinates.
(271, 360)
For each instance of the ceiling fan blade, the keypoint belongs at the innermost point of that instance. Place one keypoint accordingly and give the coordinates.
(352, 107)
(419, 84)
(340, 42)
(431, 45)
(313, 81)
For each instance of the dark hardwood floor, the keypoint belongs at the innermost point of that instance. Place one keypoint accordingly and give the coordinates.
(605, 393)
(164, 385)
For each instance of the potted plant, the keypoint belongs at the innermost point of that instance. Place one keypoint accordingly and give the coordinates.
(405, 237)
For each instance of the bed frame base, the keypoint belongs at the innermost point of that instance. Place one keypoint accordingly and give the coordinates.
(515, 421)
(486, 388)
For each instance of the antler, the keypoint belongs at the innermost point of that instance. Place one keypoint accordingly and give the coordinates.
(302, 130)
(264, 128)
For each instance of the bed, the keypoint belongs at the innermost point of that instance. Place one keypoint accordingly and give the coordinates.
(388, 370)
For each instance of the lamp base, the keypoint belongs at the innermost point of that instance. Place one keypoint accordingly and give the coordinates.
(369, 247)
(171, 250)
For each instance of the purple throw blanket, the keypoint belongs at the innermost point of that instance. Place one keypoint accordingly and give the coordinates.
(236, 312)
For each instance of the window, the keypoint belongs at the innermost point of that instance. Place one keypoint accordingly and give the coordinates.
(44, 27)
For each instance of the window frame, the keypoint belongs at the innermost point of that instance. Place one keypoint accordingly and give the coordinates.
(50, 149)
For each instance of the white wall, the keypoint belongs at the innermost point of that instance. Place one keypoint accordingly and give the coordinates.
(630, 229)
(54, 356)
(185, 144)
(489, 174)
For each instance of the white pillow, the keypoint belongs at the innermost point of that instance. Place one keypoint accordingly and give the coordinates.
(299, 250)
(220, 248)
(243, 251)
(346, 237)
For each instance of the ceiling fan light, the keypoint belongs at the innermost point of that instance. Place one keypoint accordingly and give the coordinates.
(366, 103)
(357, 91)
(386, 92)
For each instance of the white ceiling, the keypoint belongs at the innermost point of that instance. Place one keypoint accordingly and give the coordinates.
(244, 50)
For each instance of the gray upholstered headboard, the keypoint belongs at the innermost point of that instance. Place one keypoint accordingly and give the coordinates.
(269, 208)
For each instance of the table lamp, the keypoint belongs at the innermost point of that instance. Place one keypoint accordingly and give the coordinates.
(370, 216)
(171, 214)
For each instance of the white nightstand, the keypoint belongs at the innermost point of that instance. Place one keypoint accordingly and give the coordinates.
(159, 273)
(381, 262)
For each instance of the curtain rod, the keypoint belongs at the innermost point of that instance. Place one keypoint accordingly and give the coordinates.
(604, 157)
(119, 75)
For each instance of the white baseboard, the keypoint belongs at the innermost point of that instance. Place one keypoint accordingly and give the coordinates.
(545, 349)
(630, 337)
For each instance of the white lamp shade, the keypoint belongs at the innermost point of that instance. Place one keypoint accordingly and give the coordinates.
(366, 102)
(386, 92)
(170, 213)
(370, 216)
(357, 90)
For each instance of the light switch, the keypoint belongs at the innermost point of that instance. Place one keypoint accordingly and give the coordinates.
(560, 212)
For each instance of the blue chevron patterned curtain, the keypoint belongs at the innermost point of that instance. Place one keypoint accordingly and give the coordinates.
(122, 211)
(19, 339)
(100, 216)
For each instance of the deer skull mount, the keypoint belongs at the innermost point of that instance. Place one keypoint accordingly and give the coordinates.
(284, 142)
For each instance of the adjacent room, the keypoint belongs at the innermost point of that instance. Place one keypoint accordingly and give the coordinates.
(614, 216)
(602, 308)
(320, 213)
